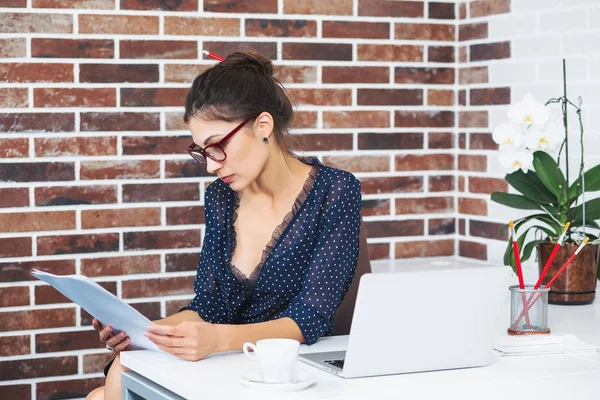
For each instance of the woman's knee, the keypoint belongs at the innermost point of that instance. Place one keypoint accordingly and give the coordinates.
(96, 394)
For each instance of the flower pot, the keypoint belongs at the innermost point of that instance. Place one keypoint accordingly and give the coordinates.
(577, 284)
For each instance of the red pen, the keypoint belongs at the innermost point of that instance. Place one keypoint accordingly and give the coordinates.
(211, 55)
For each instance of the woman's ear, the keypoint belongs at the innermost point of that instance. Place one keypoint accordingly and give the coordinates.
(265, 124)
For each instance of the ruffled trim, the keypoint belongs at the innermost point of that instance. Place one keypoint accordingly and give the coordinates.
(279, 230)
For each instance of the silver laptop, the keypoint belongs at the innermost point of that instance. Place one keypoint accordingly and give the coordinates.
(428, 316)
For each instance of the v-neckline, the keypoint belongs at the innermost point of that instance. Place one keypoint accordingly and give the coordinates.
(250, 281)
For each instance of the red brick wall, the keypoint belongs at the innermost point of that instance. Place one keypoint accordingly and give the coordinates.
(94, 177)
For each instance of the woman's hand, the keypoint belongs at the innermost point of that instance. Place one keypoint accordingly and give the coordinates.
(190, 340)
(115, 343)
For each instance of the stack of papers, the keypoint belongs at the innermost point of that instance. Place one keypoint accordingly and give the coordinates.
(554, 343)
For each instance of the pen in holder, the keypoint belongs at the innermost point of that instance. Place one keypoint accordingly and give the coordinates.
(528, 310)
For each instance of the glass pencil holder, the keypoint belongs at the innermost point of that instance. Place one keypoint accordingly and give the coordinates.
(528, 310)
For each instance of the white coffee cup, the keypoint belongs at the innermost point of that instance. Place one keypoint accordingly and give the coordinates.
(277, 358)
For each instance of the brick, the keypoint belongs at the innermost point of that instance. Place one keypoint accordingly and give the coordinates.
(440, 97)
(375, 207)
(390, 141)
(187, 168)
(37, 172)
(162, 5)
(429, 119)
(379, 251)
(389, 52)
(14, 197)
(461, 183)
(281, 27)
(471, 206)
(14, 148)
(13, 3)
(489, 230)
(37, 368)
(473, 119)
(462, 54)
(67, 341)
(224, 49)
(118, 24)
(173, 306)
(194, 26)
(428, 162)
(355, 29)
(317, 7)
(473, 31)
(356, 74)
(467, 76)
(421, 75)
(120, 121)
(76, 146)
(125, 169)
(71, 195)
(37, 221)
(490, 51)
(359, 163)
(158, 287)
(37, 122)
(76, 4)
(295, 74)
(189, 215)
(160, 192)
(462, 10)
(150, 240)
(60, 97)
(241, 6)
(321, 97)
(395, 184)
(162, 49)
(13, 48)
(440, 140)
(116, 266)
(14, 346)
(35, 23)
(482, 141)
(304, 119)
(462, 97)
(36, 319)
(176, 262)
(438, 32)
(174, 122)
(424, 205)
(441, 54)
(21, 392)
(389, 97)
(96, 362)
(153, 97)
(390, 8)
(21, 271)
(356, 119)
(424, 248)
(118, 73)
(14, 296)
(441, 226)
(443, 183)
(472, 163)
(183, 73)
(318, 51)
(13, 97)
(461, 226)
(472, 250)
(324, 141)
(93, 219)
(72, 48)
(46, 294)
(67, 388)
(441, 11)
(483, 8)
(487, 185)
(74, 244)
(489, 96)
(378, 229)
(148, 310)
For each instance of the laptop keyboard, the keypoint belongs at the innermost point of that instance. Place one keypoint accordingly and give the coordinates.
(336, 363)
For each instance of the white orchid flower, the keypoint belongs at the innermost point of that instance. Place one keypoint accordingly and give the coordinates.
(547, 138)
(528, 112)
(514, 160)
(507, 136)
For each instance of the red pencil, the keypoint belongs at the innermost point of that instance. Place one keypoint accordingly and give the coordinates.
(519, 271)
(211, 55)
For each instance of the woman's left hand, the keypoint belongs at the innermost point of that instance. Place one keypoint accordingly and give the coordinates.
(189, 340)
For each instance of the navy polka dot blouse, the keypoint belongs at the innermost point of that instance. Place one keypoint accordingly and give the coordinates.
(306, 269)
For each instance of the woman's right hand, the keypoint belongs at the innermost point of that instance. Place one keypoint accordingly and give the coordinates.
(118, 343)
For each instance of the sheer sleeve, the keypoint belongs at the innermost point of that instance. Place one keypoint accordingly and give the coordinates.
(331, 265)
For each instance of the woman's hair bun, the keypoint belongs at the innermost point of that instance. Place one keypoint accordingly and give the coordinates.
(250, 59)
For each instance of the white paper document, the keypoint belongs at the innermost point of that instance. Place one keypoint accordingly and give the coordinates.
(102, 305)
(554, 343)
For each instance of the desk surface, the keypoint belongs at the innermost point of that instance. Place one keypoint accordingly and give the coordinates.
(546, 376)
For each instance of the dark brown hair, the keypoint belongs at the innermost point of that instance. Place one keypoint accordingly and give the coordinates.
(240, 87)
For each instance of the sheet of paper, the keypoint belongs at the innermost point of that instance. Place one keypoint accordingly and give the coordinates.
(103, 305)
(555, 343)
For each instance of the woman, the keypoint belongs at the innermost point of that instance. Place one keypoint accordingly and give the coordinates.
(281, 241)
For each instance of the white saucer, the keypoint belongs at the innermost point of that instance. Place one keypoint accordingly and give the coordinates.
(255, 381)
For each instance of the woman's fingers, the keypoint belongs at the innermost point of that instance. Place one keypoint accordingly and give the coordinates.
(122, 345)
(167, 341)
(116, 339)
(105, 333)
(97, 325)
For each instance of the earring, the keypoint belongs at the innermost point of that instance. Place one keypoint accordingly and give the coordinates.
(266, 139)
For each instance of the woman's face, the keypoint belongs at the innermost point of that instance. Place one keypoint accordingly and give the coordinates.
(246, 151)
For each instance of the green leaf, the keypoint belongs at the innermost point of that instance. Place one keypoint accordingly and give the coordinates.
(515, 201)
(529, 248)
(549, 173)
(529, 185)
(592, 212)
(592, 182)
